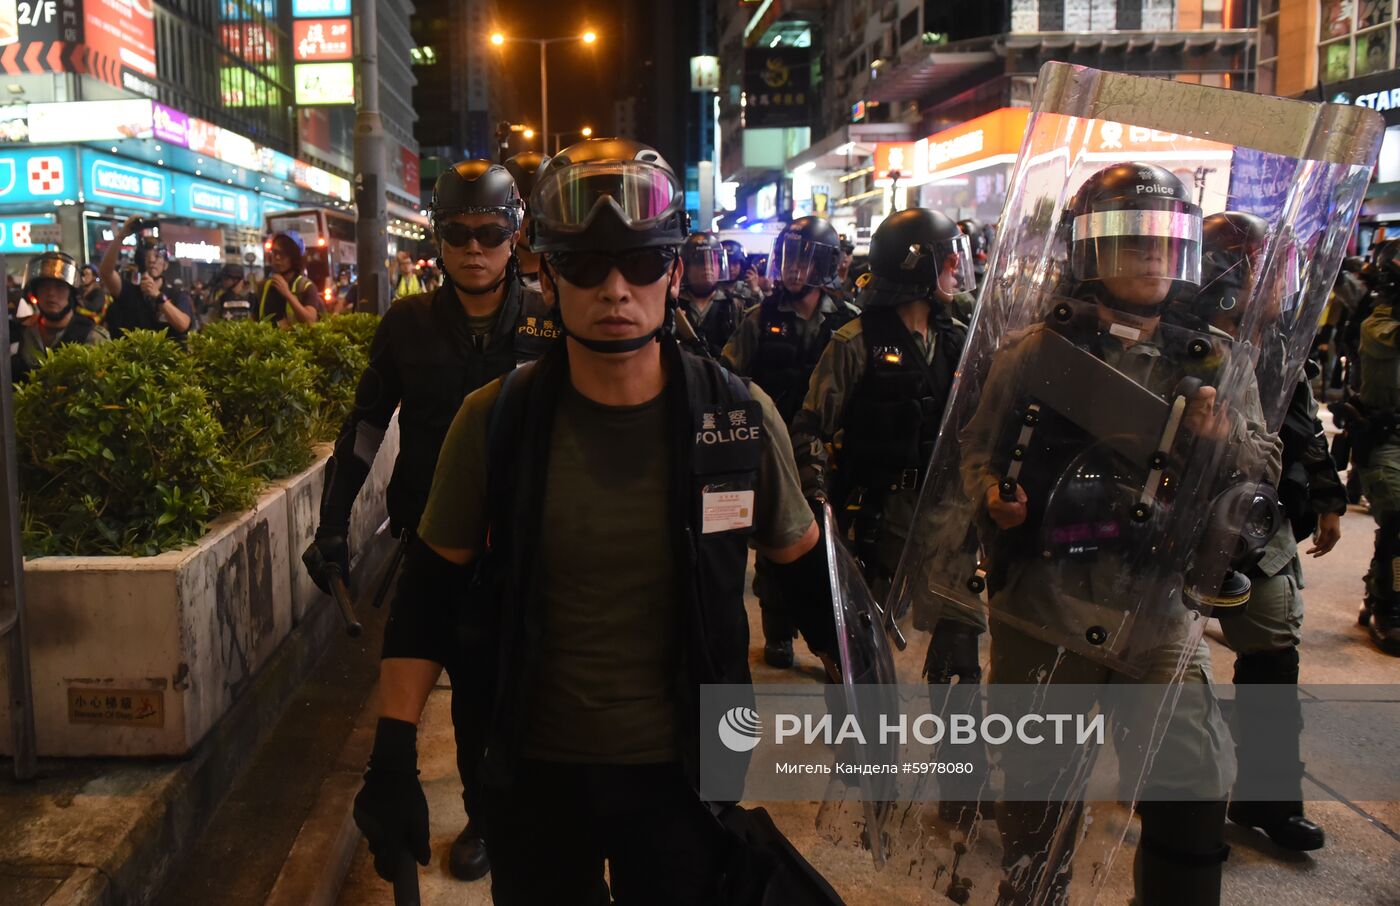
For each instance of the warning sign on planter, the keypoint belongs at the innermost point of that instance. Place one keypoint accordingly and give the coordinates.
(124, 707)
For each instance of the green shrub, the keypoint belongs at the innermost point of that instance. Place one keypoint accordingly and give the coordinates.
(263, 389)
(119, 451)
(339, 359)
(359, 326)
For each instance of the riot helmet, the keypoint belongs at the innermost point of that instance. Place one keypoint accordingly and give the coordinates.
(56, 267)
(737, 258)
(1232, 253)
(524, 168)
(977, 239)
(1386, 259)
(607, 194)
(807, 253)
(231, 271)
(1134, 238)
(915, 253)
(706, 263)
(475, 187)
(1353, 264)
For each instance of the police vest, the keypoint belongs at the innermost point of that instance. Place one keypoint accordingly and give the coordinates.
(438, 362)
(782, 365)
(717, 426)
(891, 420)
(718, 323)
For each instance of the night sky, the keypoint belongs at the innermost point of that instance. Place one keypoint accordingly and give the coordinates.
(583, 80)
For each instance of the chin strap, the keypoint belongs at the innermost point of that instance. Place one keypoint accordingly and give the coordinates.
(632, 344)
(511, 271)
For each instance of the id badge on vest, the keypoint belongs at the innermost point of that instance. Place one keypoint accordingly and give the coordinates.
(728, 449)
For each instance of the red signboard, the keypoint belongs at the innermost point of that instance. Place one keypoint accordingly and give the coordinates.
(409, 170)
(121, 41)
(250, 41)
(316, 40)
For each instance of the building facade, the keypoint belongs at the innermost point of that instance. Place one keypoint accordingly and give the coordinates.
(205, 116)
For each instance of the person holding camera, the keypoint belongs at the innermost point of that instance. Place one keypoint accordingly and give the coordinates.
(149, 302)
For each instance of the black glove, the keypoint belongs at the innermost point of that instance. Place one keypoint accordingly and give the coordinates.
(390, 809)
(806, 584)
(329, 548)
(952, 652)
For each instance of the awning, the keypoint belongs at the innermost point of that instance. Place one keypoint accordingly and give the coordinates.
(1133, 40)
(928, 69)
(850, 144)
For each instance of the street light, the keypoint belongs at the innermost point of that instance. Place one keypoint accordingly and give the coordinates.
(499, 39)
(528, 134)
(586, 132)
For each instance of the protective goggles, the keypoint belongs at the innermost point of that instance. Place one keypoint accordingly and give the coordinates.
(490, 235)
(642, 194)
(1159, 244)
(802, 262)
(586, 270)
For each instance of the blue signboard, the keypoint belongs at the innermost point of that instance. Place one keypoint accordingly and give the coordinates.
(200, 199)
(38, 175)
(14, 234)
(303, 8)
(118, 181)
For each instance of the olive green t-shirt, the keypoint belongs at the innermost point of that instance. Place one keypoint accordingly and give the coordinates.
(604, 691)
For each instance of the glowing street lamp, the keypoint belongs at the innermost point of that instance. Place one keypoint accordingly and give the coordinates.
(499, 39)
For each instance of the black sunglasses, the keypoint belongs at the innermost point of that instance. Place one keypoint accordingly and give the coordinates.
(490, 236)
(588, 269)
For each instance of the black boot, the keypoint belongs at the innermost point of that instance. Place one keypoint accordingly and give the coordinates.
(1385, 626)
(468, 860)
(777, 639)
(1283, 822)
(1181, 854)
(1268, 792)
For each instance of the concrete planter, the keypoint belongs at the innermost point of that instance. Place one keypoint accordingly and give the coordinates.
(141, 656)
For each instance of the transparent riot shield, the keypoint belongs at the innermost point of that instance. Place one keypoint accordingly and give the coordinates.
(1103, 473)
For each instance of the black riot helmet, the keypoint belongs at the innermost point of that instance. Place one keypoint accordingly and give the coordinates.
(1232, 252)
(56, 266)
(706, 263)
(475, 187)
(738, 260)
(1353, 264)
(607, 194)
(913, 253)
(1386, 258)
(806, 253)
(524, 167)
(1134, 225)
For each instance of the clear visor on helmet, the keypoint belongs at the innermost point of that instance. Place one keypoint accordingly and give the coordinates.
(705, 267)
(797, 262)
(642, 194)
(953, 260)
(51, 267)
(1145, 245)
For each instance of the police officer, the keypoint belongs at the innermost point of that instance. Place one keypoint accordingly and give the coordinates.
(51, 285)
(778, 344)
(1133, 241)
(1376, 448)
(429, 352)
(736, 281)
(1265, 633)
(523, 167)
(573, 532)
(881, 386)
(712, 314)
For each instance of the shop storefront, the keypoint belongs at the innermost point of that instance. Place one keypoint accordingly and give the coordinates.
(1380, 213)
